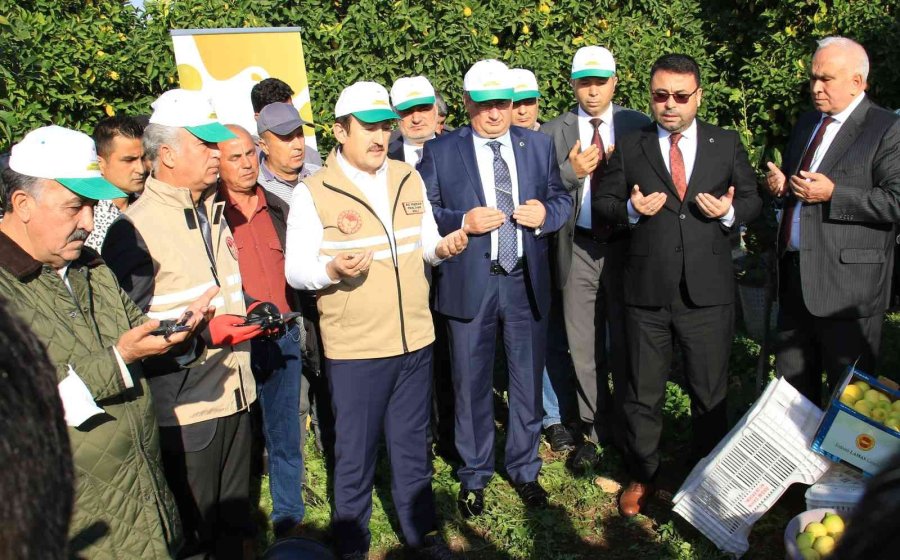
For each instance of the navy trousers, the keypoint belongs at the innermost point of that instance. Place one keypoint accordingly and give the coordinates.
(509, 307)
(390, 396)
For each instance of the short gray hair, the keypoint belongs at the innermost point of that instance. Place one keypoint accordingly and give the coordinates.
(155, 135)
(854, 49)
(14, 181)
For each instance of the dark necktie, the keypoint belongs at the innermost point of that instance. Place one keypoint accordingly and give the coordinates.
(676, 165)
(506, 234)
(787, 215)
(600, 229)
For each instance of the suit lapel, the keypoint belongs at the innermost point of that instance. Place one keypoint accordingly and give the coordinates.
(470, 164)
(520, 150)
(845, 138)
(804, 137)
(650, 145)
(705, 145)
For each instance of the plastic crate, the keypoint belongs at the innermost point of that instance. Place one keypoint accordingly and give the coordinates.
(767, 451)
(840, 488)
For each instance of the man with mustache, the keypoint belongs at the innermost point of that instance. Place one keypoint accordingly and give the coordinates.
(97, 340)
(172, 243)
(358, 233)
(682, 185)
(838, 188)
(501, 184)
(121, 156)
(414, 100)
(282, 147)
(258, 219)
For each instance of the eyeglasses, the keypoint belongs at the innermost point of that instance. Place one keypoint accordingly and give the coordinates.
(662, 96)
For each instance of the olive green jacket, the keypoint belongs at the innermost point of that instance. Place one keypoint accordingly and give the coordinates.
(123, 507)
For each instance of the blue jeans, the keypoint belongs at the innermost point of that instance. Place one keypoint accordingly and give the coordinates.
(277, 367)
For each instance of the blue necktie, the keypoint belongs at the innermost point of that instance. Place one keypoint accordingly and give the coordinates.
(506, 235)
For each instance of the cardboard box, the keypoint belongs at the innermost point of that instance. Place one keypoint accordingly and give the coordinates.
(847, 436)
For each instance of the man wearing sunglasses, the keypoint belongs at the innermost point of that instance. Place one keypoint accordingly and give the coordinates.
(683, 186)
(839, 186)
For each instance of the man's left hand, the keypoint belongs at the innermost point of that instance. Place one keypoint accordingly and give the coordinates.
(531, 214)
(452, 244)
(713, 207)
(812, 187)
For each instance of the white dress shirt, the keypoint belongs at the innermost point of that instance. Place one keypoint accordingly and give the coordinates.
(688, 146)
(484, 158)
(586, 136)
(827, 139)
(412, 153)
(304, 266)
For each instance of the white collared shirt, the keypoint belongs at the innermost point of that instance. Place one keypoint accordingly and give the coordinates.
(688, 146)
(304, 267)
(827, 139)
(412, 153)
(484, 158)
(586, 136)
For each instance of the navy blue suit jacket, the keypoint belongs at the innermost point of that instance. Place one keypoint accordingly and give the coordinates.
(454, 186)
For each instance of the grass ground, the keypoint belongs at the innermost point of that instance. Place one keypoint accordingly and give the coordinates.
(582, 521)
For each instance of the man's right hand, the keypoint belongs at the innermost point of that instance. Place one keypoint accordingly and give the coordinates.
(349, 264)
(647, 205)
(482, 220)
(775, 180)
(137, 343)
(584, 163)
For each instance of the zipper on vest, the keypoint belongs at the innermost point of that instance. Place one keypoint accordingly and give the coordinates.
(392, 246)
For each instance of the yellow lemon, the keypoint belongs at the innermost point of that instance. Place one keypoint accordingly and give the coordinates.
(833, 524)
(544, 9)
(824, 545)
(816, 529)
(467, 11)
(863, 386)
(852, 391)
(896, 405)
(879, 414)
(805, 540)
(872, 395)
(494, 40)
(809, 554)
(864, 407)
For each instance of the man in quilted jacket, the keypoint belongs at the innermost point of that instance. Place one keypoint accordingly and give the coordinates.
(96, 338)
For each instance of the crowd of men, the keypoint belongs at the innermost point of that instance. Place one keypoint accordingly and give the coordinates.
(179, 271)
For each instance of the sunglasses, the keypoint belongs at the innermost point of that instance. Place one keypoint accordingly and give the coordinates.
(662, 96)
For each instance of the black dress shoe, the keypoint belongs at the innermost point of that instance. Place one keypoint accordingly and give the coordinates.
(532, 493)
(434, 548)
(559, 438)
(585, 458)
(470, 502)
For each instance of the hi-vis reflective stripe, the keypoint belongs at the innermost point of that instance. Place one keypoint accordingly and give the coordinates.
(401, 250)
(184, 295)
(370, 241)
(237, 296)
(177, 312)
(233, 279)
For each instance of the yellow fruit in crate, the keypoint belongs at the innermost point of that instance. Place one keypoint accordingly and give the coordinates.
(896, 405)
(872, 395)
(885, 405)
(879, 414)
(816, 529)
(833, 524)
(824, 545)
(893, 423)
(864, 407)
(810, 554)
(848, 400)
(805, 540)
(852, 392)
(863, 386)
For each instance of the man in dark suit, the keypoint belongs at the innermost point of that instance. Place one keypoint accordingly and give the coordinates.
(414, 100)
(502, 185)
(683, 185)
(837, 233)
(589, 253)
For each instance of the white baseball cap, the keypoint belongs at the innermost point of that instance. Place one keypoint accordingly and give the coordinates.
(487, 80)
(409, 92)
(367, 101)
(192, 110)
(524, 84)
(593, 61)
(64, 155)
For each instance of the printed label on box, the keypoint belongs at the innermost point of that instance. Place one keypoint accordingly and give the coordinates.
(859, 443)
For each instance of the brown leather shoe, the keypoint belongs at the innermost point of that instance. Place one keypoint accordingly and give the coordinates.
(634, 497)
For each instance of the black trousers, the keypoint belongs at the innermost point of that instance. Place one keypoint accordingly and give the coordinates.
(805, 345)
(705, 336)
(207, 466)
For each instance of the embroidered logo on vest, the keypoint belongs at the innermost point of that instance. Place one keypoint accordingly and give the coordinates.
(232, 248)
(349, 222)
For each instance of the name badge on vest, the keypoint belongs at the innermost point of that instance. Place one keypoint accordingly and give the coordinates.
(414, 207)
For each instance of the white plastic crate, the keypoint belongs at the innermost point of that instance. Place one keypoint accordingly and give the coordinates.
(767, 451)
(840, 488)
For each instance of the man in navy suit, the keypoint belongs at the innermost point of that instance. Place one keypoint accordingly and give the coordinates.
(502, 185)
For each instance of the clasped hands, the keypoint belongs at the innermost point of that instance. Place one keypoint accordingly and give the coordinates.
(710, 205)
(808, 187)
(482, 219)
(584, 163)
